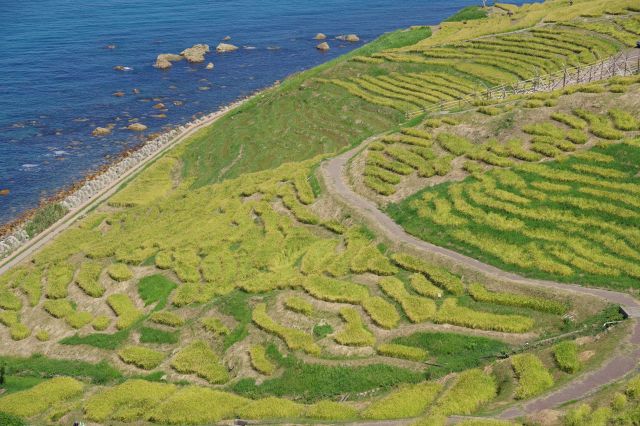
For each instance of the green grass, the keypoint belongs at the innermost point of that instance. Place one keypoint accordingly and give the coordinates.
(155, 289)
(313, 382)
(454, 352)
(235, 304)
(153, 335)
(44, 217)
(39, 366)
(467, 14)
(99, 340)
(322, 330)
(19, 383)
(10, 420)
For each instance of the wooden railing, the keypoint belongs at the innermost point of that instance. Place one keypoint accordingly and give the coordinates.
(623, 64)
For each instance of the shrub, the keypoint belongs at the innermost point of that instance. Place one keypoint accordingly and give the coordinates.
(300, 305)
(329, 410)
(124, 308)
(619, 401)
(271, 408)
(405, 402)
(451, 313)
(88, 278)
(383, 313)
(198, 358)
(141, 357)
(566, 356)
(533, 377)
(193, 405)
(215, 326)
(438, 276)
(259, 360)
(119, 272)
(402, 351)
(481, 294)
(633, 388)
(354, 332)
(134, 397)
(44, 218)
(101, 322)
(471, 389)
(167, 318)
(40, 398)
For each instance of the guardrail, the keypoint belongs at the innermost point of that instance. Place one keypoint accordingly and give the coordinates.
(623, 64)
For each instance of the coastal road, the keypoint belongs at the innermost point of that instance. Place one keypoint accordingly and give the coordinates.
(335, 177)
(34, 244)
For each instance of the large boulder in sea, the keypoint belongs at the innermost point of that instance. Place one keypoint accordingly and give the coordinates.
(210, 66)
(226, 47)
(352, 38)
(101, 131)
(320, 36)
(137, 127)
(164, 60)
(196, 52)
(323, 46)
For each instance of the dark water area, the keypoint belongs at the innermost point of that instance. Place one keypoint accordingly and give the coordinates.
(57, 79)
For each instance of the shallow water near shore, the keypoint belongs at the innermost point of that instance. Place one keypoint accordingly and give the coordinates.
(58, 83)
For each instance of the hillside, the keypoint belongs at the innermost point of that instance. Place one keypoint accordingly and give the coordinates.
(229, 279)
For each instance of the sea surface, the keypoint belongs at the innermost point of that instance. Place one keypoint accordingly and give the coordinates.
(57, 79)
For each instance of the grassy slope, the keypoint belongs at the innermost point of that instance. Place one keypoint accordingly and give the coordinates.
(295, 121)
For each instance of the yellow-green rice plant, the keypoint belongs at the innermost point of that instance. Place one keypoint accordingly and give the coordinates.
(562, 144)
(332, 290)
(406, 156)
(260, 362)
(58, 308)
(153, 183)
(582, 415)
(438, 276)
(544, 129)
(418, 309)
(633, 388)
(318, 257)
(599, 125)
(566, 356)
(380, 160)
(135, 397)
(134, 255)
(9, 300)
(381, 174)
(330, 410)
(189, 293)
(517, 151)
(295, 339)
(454, 144)
(533, 376)
(31, 286)
(367, 60)
(489, 110)
(303, 189)
(271, 408)
(141, 357)
(88, 277)
(77, 319)
(569, 120)
(41, 397)
(119, 272)
(164, 260)
(198, 358)
(167, 318)
(487, 157)
(481, 294)
(124, 308)
(605, 172)
(592, 156)
(471, 389)
(405, 402)
(195, 405)
(418, 134)
(101, 322)
(546, 149)
(619, 401)
(19, 331)
(334, 225)
(59, 277)
(578, 137)
(42, 335)
(378, 185)
(369, 259)
(215, 326)
(354, 332)
(186, 264)
(487, 422)
(299, 304)
(382, 313)
(451, 313)
(424, 287)
(402, 351)
(617, 88)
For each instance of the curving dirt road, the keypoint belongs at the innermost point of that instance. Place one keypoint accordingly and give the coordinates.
(335, 178)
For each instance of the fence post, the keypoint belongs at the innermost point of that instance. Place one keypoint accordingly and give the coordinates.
(626, 63)
(578, 76)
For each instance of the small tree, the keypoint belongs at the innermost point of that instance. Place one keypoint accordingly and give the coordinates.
(2, 371)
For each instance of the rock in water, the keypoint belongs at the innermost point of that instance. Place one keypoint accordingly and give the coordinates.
(4, 192)
(224, 47)
(118, 94)
(227, 38)
(101, 131)
(164, 60)
(120, 68)
(137, 127)
(159, 105)
(350, 38)
(209, 66)
(320, 36)
(323, 46)
(196, 52)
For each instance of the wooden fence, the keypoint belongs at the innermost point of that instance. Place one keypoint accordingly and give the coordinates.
(623, 64)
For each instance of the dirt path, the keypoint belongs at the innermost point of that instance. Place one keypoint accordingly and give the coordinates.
(333, 173)
(34, 244)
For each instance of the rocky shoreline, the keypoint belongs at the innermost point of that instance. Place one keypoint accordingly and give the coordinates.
(85, 190)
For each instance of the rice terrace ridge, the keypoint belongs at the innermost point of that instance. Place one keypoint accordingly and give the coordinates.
(441, 226)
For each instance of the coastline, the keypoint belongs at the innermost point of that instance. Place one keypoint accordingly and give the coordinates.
(14, 241)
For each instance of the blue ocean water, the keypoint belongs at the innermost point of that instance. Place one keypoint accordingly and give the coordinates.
(57, 79)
